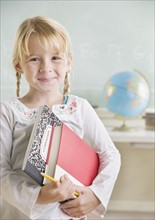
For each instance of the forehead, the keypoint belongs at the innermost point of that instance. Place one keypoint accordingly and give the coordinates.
(38, 43)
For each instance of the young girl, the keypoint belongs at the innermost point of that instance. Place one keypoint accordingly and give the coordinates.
(42, 53)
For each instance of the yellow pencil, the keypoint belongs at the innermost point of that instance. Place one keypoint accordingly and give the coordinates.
(53, 180)
(48, 177)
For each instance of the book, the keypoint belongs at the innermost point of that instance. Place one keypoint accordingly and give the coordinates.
(55, 149)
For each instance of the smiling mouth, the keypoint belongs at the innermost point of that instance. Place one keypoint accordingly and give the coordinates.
(46, 80)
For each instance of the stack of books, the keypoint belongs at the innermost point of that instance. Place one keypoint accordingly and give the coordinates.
(54, 149)
(150, 119)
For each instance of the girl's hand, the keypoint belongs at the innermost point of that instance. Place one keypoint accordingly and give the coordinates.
(82, 205)
(56, 192)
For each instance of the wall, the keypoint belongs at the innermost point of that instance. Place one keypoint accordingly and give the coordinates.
(107, 36)
(134, 188)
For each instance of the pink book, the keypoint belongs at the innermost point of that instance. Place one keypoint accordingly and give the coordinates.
(71, 156)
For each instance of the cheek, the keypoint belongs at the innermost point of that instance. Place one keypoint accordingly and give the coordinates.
(61, 70)
(30, 70)
(62, 76)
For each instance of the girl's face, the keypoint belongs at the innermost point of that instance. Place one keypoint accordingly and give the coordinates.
(44, 70)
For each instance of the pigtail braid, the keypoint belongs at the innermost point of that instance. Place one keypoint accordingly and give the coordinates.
(18, 78)
(66, 84)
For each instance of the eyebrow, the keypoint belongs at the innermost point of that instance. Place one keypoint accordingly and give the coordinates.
(53, 54)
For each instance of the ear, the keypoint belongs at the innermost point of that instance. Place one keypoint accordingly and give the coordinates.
(18, 68)
(69, 62)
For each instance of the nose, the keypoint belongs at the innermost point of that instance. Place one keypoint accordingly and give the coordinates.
(45, 67)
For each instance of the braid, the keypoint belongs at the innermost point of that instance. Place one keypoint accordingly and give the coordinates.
(18, 77)
(66, 84)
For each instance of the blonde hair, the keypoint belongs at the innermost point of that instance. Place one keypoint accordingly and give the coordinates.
(49, 32)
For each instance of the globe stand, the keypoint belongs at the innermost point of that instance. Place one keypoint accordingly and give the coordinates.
(123, 127)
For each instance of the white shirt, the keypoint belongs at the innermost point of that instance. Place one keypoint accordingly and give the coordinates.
(18, 191)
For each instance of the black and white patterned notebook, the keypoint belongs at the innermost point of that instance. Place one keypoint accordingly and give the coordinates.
(37, 150)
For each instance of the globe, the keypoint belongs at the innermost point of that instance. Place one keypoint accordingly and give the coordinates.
(127, 94)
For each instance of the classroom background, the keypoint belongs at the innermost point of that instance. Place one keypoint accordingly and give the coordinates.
(108, 37)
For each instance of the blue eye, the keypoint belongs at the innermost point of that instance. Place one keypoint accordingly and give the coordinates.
(34, 59)
(56, 58)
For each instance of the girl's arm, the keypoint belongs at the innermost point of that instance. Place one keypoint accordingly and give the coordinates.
(97, 136)
(96, 196)
(17, 188)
